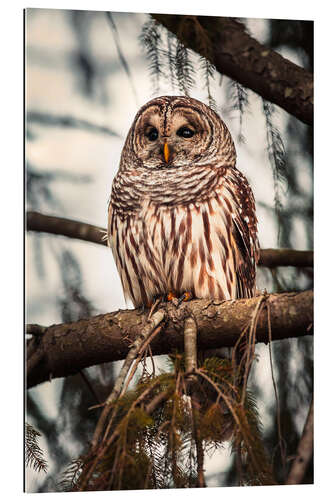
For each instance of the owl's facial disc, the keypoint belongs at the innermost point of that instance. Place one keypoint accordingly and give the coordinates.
(166, 141)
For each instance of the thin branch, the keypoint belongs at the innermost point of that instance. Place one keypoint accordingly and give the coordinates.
(190, 345)
(68, 121)
(282, 444)
(65, 227)
(201, 483)
(304, 451)
(190, 349)
(121, 55)
(67, 348)
(75, 229)
(144, 346)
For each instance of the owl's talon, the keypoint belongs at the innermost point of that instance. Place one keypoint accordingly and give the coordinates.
(185, 297)
(170, 297)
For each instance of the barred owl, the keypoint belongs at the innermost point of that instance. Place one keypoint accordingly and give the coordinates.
(181, 216)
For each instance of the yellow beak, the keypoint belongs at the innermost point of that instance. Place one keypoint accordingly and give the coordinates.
(166, 152)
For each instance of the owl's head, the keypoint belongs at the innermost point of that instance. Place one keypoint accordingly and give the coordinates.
(170, 132)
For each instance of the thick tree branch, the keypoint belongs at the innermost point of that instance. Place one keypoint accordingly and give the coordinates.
(67, 348)
(225, 42)
(75, 229)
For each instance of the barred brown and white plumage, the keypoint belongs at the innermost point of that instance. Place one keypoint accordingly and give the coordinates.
(181, 216)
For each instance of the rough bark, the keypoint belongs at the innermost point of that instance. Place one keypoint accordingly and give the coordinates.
(75, 229)
(65, 349)
(225, 42)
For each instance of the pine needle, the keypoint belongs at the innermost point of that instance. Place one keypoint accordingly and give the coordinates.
(33, 453)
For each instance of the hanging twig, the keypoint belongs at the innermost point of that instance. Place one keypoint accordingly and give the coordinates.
(153, 323)
(251, 344)
(190, 351)
(278, 410)
(90, 387)
(201, 483)
(121, 55)
(142, 349)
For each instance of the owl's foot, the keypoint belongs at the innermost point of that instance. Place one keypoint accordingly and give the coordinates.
(178, 300)
(185, 297)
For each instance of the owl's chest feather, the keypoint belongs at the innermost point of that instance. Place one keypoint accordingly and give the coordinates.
(190, 247)
(179, 246)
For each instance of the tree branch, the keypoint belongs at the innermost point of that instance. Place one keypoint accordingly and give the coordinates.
(236, 54)
(75, 229)
(67, 121)
(65, 227)
(67, 348)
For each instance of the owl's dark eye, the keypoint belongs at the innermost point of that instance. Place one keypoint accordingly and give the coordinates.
(152, 134)
(185, 132)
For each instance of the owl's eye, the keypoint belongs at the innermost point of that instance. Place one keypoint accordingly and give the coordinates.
(185, 132)
(152, 134)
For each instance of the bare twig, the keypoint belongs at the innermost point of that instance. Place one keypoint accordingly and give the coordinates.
(190, 346)
(190, 350)
(142, 349)
(251, 343)
(68, 121)
(201, 483)
(90, 387)
(278, 410)
(154, 321)
(304, 451)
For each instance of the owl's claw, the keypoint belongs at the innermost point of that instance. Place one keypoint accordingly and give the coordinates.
(185, 297)
(178, 300)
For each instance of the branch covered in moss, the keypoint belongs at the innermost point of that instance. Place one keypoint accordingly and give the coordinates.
(226, 44)
(67, 348)
(75, 229)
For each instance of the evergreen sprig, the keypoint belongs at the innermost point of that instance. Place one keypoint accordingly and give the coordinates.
(239, 102)
(150, 39)
(149, 445)
(33, 453)
(277, 158)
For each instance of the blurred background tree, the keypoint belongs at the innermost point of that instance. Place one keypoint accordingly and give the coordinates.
(87, 73)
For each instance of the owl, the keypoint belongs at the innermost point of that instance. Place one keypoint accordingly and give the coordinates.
(181, 217)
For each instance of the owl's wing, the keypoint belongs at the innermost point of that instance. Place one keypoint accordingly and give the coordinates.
(110, 219)
(244, 232)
